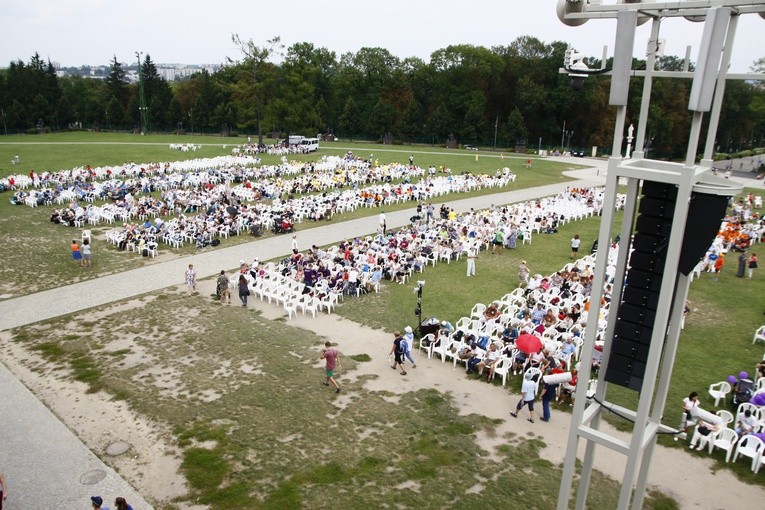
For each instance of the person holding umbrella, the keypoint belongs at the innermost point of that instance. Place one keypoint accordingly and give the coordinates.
(528, 394)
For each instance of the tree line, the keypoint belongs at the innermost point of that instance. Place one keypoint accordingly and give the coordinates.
(492, 97)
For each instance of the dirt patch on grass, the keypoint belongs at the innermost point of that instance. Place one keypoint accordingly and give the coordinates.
(234, 411)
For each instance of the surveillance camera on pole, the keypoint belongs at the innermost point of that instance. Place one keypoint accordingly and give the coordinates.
(577, 70)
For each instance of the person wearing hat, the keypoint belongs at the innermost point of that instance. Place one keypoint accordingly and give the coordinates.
(528, 391)
(96, 502)
(408, 342)
(446, 328)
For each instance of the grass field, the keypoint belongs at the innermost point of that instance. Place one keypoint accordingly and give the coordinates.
(270, 433)
(44, 246)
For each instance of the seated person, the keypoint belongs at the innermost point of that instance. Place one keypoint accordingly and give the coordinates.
(704, 433)
(520, 361)
(490, 359)
(567, 389)
(746, 424)
(536, 360)
(538, 313)
(491, 313)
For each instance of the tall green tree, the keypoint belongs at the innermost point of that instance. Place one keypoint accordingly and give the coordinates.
(258, 74)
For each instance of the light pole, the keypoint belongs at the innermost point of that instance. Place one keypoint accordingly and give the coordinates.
(191, 119)
(5, 128)
(418, 310)
(496, 123)
(142, 96)
(563, 135)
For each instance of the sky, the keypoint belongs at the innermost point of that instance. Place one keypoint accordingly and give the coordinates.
(90, 32)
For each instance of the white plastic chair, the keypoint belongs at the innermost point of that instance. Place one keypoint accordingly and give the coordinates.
(725, 416)
(426, 344)
(749, 446)
(454, 350)
(442, 348)
(291, 307)
(746, 406)
(503, 368)
(759, 335)
(477, 311)
(701, 440)
(719, 391)
(726, 440)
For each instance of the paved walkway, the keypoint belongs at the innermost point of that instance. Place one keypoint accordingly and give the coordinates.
(45, 464)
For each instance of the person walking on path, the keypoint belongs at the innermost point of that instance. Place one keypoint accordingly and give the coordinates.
(121, 504)
(742, 258)
(752, 264)
(244, 290)
(191, 279)
(472, 254)
(331, 356)
(408, 342)
(575, 242)
(383, 225)
(294, 244)
(87, 254)
(76, 254)
(398, 352)
(221, 285)
(96, 502)
(548, 394)
(528, 393)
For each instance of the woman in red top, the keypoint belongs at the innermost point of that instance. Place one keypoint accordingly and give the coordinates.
(752, 264)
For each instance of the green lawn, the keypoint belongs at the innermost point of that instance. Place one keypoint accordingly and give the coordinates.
(44, 245)
(251, 465)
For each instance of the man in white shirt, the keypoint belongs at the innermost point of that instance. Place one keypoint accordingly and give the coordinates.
(529, 392)
(383, 225)
(472, 254)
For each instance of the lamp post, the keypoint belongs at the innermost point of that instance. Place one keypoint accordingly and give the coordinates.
(191, 119)
(418, 310)
(563, 135)
(142, 110)
(5, 128)
(496, 123)
(567, 135)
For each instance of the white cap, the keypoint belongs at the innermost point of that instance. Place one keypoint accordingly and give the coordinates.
(408, 329)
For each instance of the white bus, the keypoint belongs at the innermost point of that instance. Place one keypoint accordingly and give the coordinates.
(309, 144)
